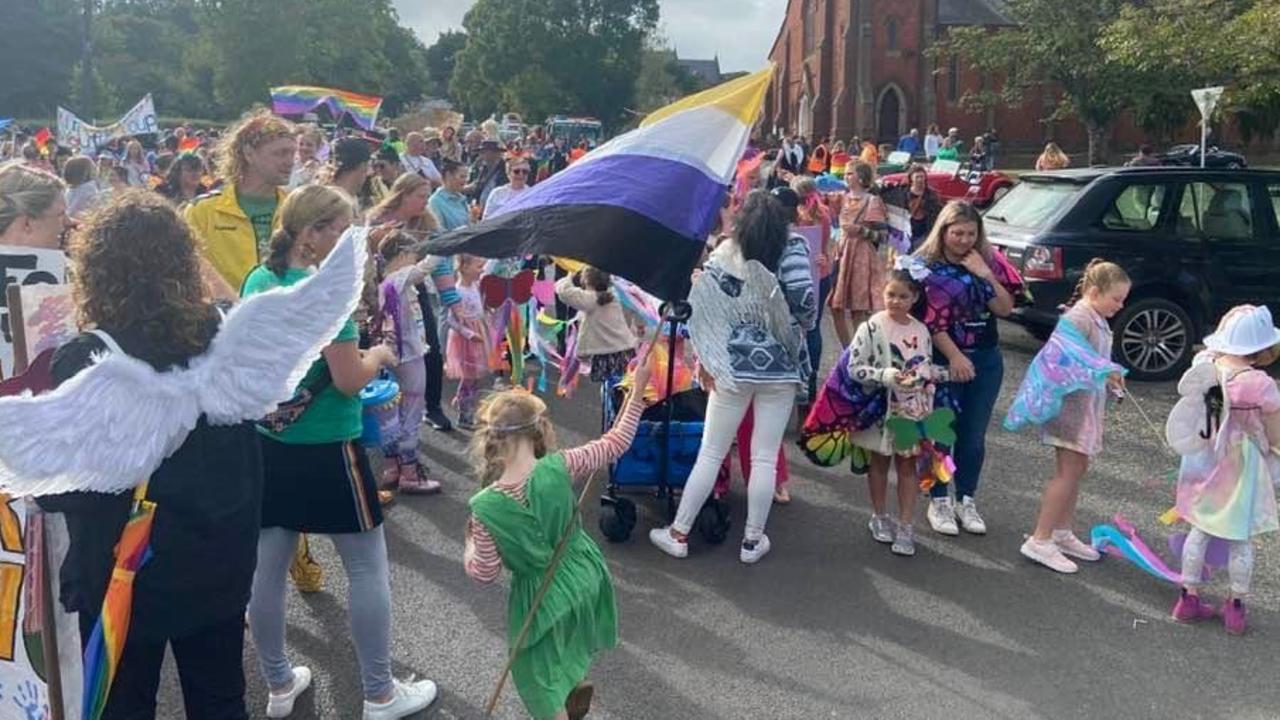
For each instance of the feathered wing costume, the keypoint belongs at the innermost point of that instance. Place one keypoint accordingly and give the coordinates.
(109, 427)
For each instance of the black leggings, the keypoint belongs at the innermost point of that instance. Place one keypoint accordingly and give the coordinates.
(210, 667)
(435, 355)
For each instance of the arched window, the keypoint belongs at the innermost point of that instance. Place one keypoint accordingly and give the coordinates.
(810, 25)
(891, 34)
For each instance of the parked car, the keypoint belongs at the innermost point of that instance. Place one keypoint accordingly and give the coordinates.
(954, 180)
(1189, 156)
(1195, 243)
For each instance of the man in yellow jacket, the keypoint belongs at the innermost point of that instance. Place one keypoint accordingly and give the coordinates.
(233, 224)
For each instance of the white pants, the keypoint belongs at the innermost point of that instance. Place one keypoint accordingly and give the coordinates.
(725, 410)
(1239, 562)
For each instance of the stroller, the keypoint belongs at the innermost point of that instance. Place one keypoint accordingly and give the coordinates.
(661, 457)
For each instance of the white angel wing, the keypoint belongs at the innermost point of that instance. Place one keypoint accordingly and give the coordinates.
(269, 341)
(1187, 430)
(104, 430)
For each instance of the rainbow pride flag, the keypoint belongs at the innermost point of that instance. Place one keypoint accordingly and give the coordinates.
(640, 206)
(102, 652)
(300, 99)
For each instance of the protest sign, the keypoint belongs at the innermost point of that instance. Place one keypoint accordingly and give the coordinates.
(77, 134)
(23, 266)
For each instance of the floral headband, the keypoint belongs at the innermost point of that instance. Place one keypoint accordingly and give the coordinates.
(913, 266)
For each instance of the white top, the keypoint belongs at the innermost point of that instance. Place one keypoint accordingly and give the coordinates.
(82, 198)
(500, 196)
(931, 144)
(423, 166)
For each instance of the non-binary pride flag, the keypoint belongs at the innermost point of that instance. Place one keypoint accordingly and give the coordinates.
(300, 99)
(639, 206)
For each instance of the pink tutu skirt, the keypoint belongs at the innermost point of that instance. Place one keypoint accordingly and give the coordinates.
(468, 359)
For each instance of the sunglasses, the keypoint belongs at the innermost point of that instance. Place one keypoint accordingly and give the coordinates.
(520, 171)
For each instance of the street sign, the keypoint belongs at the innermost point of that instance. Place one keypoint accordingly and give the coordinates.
(1206, 99)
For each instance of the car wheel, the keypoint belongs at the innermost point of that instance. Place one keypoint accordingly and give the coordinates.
(1153, 339)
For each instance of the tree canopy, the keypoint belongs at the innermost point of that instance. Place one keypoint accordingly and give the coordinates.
(542, 57)
(203, 58)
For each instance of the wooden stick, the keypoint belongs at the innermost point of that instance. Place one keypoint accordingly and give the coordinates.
(554, 563)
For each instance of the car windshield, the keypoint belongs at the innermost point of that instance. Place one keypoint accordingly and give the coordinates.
(1030, 204)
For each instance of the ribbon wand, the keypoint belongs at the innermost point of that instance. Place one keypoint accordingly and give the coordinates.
(554, 563)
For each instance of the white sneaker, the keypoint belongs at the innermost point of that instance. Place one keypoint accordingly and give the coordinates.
(1047, 554)
(970, 520)
(406, 699)
(904, 541)
(881, 528)
(661, 539)
(942, 516)
(281, 706)
(757, 550)
(1073, 546)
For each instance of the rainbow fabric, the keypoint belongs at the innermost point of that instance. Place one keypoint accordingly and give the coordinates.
(300, 99)
(640, 206)
(102, 652)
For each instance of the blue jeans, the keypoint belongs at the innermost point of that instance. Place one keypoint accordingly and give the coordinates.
(977, 399)
(814, 337)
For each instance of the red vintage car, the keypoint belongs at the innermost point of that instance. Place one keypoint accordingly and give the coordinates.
(953, 180)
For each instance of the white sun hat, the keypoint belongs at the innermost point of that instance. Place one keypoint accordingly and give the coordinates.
(1244, 331)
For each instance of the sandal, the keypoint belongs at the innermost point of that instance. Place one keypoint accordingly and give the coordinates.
(414, 482)
(781, 496)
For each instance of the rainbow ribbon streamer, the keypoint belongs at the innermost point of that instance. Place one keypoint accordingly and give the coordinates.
(1122, 539)
(301, 99)
(102, 652)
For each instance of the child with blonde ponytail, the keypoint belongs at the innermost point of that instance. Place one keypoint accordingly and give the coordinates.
(526, 505)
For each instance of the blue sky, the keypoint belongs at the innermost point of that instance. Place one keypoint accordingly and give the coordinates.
(741, 31)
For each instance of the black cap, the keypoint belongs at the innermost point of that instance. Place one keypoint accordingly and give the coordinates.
(786, 196)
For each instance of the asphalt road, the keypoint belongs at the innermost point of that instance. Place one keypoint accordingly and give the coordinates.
(830, 624)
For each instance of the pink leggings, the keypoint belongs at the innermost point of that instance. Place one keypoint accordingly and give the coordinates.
(744, 458)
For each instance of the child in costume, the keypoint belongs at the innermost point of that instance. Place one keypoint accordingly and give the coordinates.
(604, 338)
(518, 519)
(1064, 393)
(401, 312)
(470, 343)
(881, 401)
(893, 351)
(1228, 472)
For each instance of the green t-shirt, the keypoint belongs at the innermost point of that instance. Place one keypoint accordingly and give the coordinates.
(332, 416)
(261, 211)
(948, 154)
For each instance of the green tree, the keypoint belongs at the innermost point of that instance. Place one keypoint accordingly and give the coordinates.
(1195, 43)
(662, 79)
(41, 45)
(441, 58)
(539, 57)
(1054, 43)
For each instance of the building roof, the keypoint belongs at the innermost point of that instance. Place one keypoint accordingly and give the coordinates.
(973, 12)
(706, 70)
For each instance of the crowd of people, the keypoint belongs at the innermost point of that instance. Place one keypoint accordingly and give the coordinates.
(215, 217)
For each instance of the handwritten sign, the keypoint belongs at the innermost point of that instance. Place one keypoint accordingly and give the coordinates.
(78, 134)
(23, 266)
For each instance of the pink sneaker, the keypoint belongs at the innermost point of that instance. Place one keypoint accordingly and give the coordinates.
(1233, 617)
(413, 481)
(1190, 608)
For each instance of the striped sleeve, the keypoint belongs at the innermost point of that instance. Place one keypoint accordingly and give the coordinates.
(584, 460)
(480, 560)
(796, 279)
(446, 286)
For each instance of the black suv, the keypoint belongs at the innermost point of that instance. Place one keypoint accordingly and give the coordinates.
(1195, 243)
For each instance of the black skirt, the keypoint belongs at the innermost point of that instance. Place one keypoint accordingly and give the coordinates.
(327, 488)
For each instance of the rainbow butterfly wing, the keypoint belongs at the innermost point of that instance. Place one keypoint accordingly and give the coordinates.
(842, 408)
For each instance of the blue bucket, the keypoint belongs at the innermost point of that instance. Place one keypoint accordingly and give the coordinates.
(381, 419)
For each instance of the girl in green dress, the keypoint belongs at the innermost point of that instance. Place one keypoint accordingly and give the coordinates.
(518, 518)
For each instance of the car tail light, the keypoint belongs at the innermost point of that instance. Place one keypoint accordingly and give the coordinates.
(1043, 262)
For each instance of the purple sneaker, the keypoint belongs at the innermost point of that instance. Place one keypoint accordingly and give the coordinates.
(1233, 617)
(1190, 609)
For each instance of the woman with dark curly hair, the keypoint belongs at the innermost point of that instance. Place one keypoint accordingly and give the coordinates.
(183, 182)
(136, 280)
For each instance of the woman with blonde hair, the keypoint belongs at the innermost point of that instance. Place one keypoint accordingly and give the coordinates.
(1052, 158)
(406, 205)
(135, 163)
(33, 209)
(969, 285)
(317, 480)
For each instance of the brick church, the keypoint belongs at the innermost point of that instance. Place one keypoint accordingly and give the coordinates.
(859, 67)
